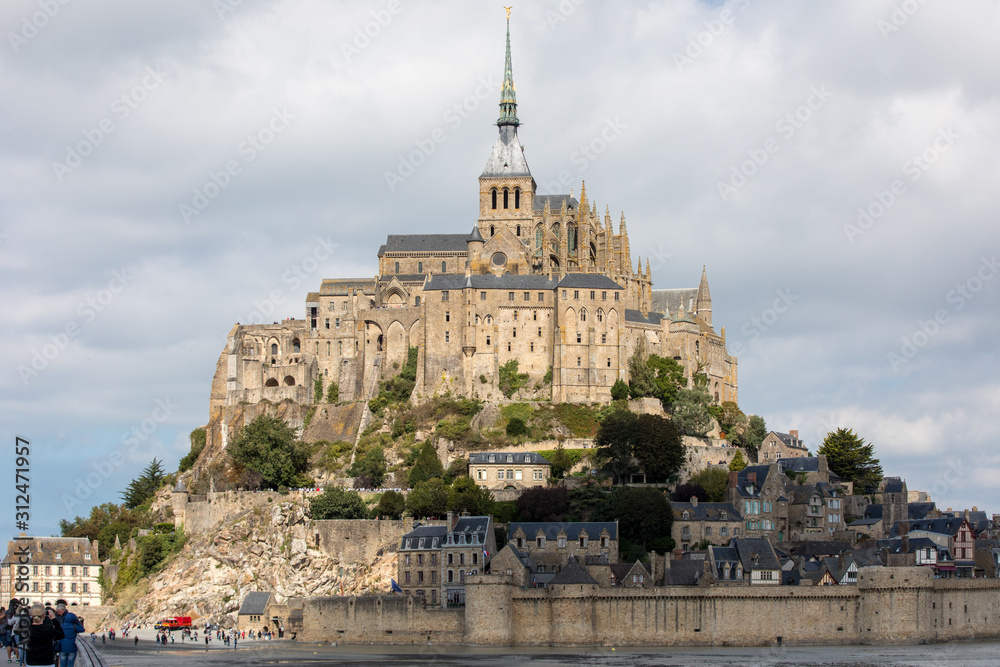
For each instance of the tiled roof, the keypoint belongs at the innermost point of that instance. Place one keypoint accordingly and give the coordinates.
(589, 281)
(759, 549)
(44, 551)
(705, 511)
(683, 572)
(254, 604)
(944, 525)
(425, 243)
(501, 457)
(572, 529)
(489, 281)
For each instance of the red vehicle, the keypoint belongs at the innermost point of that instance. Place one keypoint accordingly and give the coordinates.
(174, 623)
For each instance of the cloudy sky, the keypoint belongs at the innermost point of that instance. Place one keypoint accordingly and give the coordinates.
(170, 168)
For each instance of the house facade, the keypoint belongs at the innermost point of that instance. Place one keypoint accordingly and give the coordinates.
(509, 470)
(434, 560)
(759, 494)
(696, 522)
(777, 445)
(51, 568)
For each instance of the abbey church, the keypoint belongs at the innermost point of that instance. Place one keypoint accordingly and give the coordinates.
(542, 279)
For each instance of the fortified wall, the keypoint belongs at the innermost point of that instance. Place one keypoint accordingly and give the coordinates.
(889, 605)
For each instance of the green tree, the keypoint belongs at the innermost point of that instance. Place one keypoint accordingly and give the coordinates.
(318, 389)
(644, 517)
(466, 496)
(391, 505)
(732, 421)
(657, 444)
(333, 393)
(619, 390)
(668, 378)
(145, 486)
(690, 412)
(541, 503)
(369, 470)
(457, 468)
(516, 427)
(852, 459)
(641, 378)
(738, 463)
(428, 498)
(426, 466)
(713, 482)
(561, 462)
(510, 379)
(754, 435)
(338, 503)
(198, 439)
(614, 444)
(269, 447)
(105, 522)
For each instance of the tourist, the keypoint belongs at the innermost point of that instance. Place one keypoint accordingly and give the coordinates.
(42, 635)
(71, 625)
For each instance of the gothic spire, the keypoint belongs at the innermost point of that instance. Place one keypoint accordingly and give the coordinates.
(508, 102)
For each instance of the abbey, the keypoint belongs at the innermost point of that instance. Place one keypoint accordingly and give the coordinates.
(546, 280)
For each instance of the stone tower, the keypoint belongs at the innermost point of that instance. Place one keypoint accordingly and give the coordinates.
(703, 301)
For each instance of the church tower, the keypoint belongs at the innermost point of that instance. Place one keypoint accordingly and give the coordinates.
(506, 186)
(703, 300)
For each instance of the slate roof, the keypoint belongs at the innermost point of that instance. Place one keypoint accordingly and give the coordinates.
(402, 277)
(918, 511)
(744, 480)
(799, 464)
(864, 522)
(501, 457)
(749, 547)
(572, 574)
(637, 316)
(510, 282)
(802, 494)
(425, 243)
(589, 281)
(705, 511)
(427, 532)
(814, 548)
(893, 485)
(895, 546)
(555, 202)
(507, 157)
(572, 528)
(683, 573)
(622, 570)
(873, 512)
(669, 300)
(43, 551)
(945, 525)
(478, 525)
(337, 287)
(254, 604)
(476, 236)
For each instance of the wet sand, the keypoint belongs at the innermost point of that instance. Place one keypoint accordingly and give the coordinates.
(123, 653)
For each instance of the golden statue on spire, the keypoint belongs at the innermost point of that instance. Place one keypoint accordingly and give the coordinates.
(508, 11)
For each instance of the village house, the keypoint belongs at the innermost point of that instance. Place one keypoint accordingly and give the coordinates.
(434, 560)
(65, 568)
(509, 470)
(815, 511)
(537, 551)
(696, 522)
(746, 561)
(778, 445)
(953, 533)
(758, 493)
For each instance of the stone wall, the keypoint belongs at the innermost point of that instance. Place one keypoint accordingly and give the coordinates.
(356, 541)
(704, 453)
(888, 605)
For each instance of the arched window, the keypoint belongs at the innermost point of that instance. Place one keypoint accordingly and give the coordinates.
(492, 231)
(583, 314)
(506, 193)
(397, 267)
(296, 346)
(518, 230)
(271, 383)
(274, 348)
(420, 267)
(600, 315)
(416, 301)
(493, 193)
(289, 380)
(517, 197)
(444, 267)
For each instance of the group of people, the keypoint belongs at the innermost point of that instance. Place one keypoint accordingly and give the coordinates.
(40, 635)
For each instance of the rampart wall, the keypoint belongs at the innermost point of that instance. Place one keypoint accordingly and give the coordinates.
(889, 605)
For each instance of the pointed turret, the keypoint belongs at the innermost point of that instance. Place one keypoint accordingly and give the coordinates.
(508, 101)
(621, 226)
(703, 300)
(649, 274)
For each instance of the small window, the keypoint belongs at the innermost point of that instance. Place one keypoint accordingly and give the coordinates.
(510, 296)
(591, 294)
(493, 195)
(604, 338)
(482, 296)
(604, 296)
(527, 296)
(487, 340)
(616, 296)
(447, 336)
(397, 267)
(576, 294)
(444, 267)
(447, 316)
(579, 338)
(578, 361)
(420, 267)
(444, 295)
(541, 296)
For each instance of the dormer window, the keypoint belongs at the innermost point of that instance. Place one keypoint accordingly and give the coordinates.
(420, 545)
(493, 458)
(58, 556)
(685, 516)
(722, 515)
(510, 459)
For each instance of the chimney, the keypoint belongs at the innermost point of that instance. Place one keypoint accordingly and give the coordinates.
(904, 528)
(734, 478)
(905, 543)
(694, 501)
(678, 554)
(966, 515)
(451, 519)
(752, 476)
(794, 433)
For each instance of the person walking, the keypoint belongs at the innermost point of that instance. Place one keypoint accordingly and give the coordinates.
(71, 626)
(43, 632)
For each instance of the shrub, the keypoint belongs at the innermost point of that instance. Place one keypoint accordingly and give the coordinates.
(516, 427)
(198, 438)
(510, 379)
(619, 390)
(338, 503)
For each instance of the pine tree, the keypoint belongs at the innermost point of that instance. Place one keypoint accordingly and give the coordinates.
(852, 459)
(144, 487)
(738, 463)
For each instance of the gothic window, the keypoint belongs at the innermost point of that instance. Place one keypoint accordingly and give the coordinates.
(538, 238)
(600, 315)
(444, 267)
(420, 267)
(517, 201)
(296, 345)
(583, 314)
(506, 194)
(493, 193)
(571, 238)
(517, 230)
(397, 267)
(274, 348)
